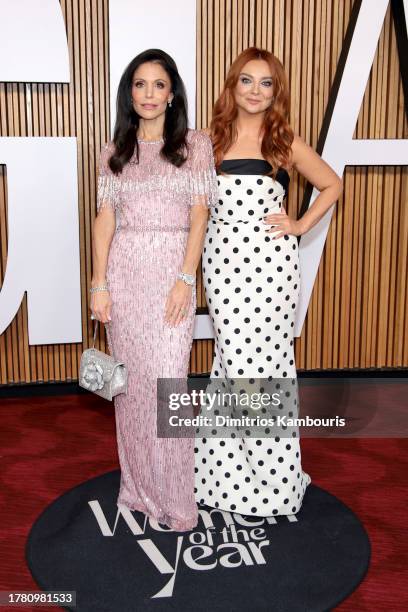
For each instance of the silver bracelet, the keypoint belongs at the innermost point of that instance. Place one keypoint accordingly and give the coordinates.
(101, 288)
(188, 279)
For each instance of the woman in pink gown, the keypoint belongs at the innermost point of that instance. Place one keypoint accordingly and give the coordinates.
(159, 179)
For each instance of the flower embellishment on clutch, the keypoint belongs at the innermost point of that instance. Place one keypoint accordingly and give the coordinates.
(92, 377)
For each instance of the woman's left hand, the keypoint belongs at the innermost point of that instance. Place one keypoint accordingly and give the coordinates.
(283, 224)
(178, 302)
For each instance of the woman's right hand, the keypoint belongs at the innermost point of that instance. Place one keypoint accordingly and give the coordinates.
(101, 304)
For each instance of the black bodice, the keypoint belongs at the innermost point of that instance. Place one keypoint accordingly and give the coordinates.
(254, 166)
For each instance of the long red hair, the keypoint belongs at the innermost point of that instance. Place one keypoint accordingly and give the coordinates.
(277, 133)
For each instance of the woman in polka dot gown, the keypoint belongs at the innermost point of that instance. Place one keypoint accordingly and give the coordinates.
(252, 280)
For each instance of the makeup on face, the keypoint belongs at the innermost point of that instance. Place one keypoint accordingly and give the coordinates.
(151, 90)
(254, 89)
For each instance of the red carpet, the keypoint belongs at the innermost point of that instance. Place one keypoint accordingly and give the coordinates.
(50, 444)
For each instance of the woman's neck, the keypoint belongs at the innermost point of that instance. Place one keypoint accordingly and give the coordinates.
(249, 125)
(151, 129)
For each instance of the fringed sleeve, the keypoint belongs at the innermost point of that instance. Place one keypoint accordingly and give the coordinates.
(204, 186)
(108, 191)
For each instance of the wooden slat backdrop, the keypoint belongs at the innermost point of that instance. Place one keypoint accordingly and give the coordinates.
(357, 316)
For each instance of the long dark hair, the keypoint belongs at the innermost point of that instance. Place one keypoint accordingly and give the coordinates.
(127, 120)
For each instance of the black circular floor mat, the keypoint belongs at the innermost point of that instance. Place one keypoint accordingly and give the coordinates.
(122, 562)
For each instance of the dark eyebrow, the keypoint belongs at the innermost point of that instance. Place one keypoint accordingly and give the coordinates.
(144, 80)
(250, 75)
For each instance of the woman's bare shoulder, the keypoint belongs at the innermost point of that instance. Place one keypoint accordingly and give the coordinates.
(294, 151)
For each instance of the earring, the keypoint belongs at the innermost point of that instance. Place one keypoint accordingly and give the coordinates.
(170, 104)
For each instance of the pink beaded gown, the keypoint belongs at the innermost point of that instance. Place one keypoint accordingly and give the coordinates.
(152, 200)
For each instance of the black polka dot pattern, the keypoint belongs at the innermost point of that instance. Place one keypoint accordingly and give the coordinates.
(252, 285)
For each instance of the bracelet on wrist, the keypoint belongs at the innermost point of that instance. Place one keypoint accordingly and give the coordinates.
(100, 288)
(188, 279)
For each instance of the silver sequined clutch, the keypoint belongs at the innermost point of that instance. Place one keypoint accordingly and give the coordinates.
(101, 373)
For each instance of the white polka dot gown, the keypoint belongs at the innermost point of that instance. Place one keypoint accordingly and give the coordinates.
(252, 287)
